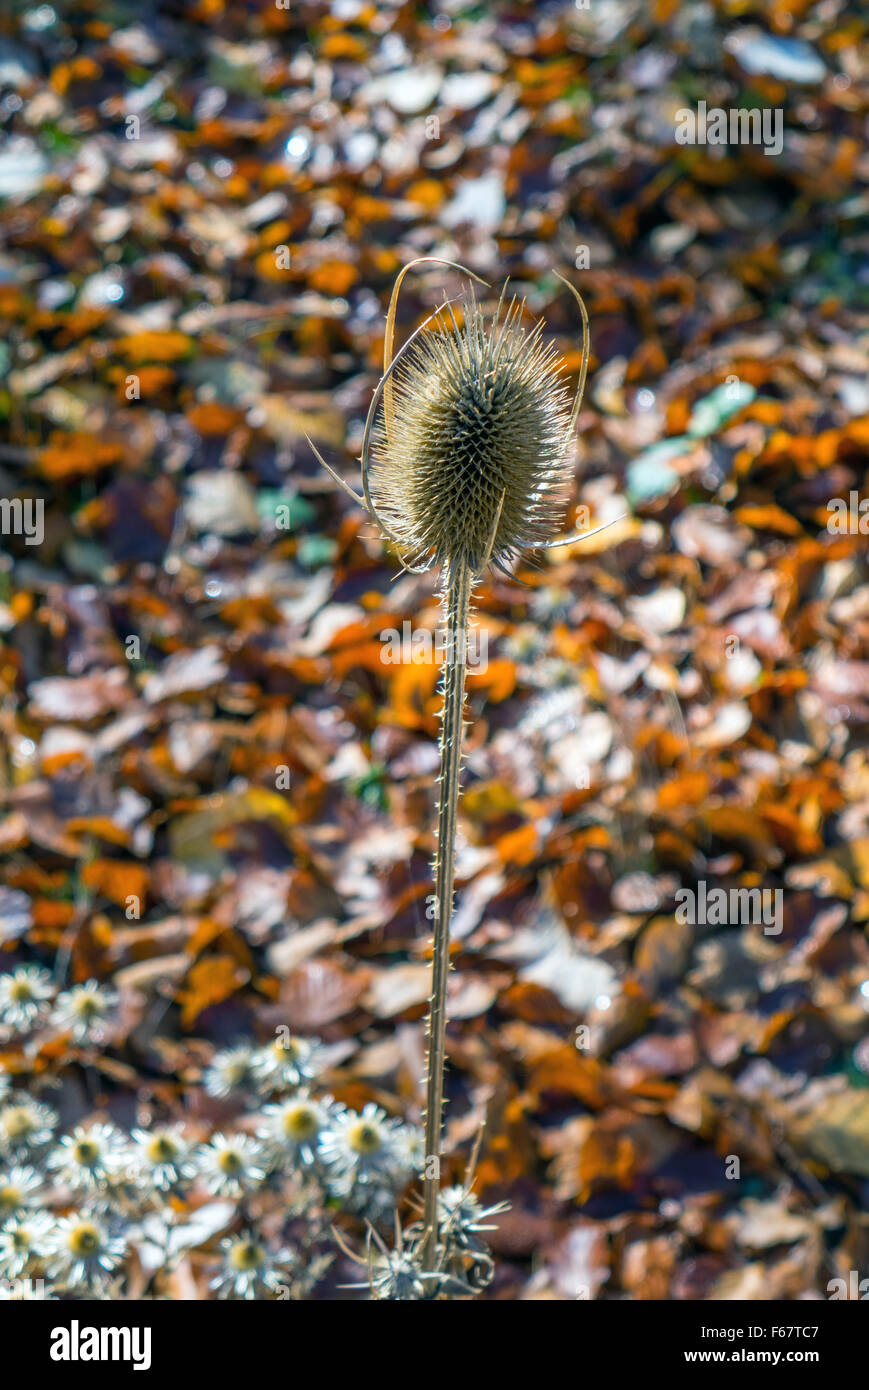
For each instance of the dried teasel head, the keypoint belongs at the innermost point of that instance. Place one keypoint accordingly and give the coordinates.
(471, 460)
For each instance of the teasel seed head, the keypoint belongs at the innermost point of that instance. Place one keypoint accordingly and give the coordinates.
(470, 461)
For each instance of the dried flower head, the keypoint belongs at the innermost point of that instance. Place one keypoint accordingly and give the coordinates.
(285, 1063)
(85, 1010)
(250, 1270)
(25, 1126)
(360, 1148)
(473, 461)
(398, 1275)
(24, 1241)
(84, 1252)
(20, 1188)
(462, 1218)
(295, 1128)
(162, 1157)
(231, 1165)
(231, 1070)
(24, 996)
(90, 1156)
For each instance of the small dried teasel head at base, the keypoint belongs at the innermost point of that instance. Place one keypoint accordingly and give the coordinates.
(471, 458)
(462, 1218)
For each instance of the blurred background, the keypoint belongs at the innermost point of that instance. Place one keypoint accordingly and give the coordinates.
(218, 799)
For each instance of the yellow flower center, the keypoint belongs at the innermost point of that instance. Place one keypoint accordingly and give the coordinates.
(301, 1122)
(364, 1138)
(229, 1161)
(162, 1149)
(83, 1240)
(21, 992)
(86, 1152)
(17, 1121)
(245, 1255)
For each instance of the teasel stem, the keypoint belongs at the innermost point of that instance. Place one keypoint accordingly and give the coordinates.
(458, 585)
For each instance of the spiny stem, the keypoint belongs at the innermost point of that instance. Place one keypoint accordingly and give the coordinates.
(456, 601)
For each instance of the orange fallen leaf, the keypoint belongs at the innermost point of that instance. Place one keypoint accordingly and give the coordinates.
(498, 679)
(209, 982)
(100, 826)
(688, 790)
(769, 518)
(154, 346)
(565, 1071)
(212, 418)
(519, 847)
(68, 455)
(343, 46)
(412, 694)
(117, 879)
(52, 915)
(333, 277)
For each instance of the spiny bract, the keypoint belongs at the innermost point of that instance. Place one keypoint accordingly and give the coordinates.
(479, 421)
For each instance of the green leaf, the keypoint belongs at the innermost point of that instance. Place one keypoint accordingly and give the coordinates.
(719, 406)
